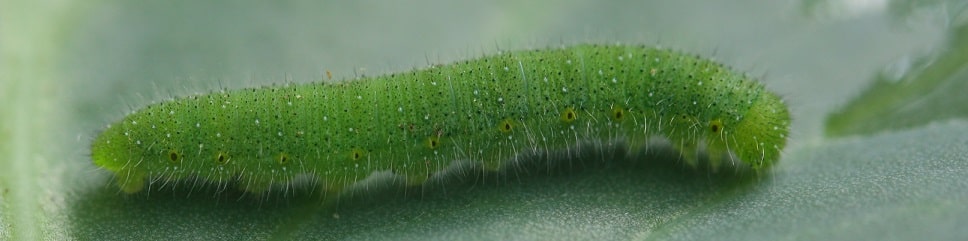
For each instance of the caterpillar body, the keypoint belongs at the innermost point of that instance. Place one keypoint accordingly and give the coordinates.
(485, 111)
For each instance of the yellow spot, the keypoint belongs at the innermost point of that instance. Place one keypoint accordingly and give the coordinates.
(173, 156)
(506, 126)
(716, 126)
(569, 115)
(284, 158)
(329, 76)
(221, 158)
(433, 142)
(357, 154)
(618, 113)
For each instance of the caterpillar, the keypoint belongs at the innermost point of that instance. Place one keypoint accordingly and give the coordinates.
(416, 123)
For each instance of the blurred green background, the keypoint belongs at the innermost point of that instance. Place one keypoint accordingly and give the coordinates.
(878, 151)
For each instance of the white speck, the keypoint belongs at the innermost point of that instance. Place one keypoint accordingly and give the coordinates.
(400, 109)
(289, 103)
(358, 97)
(427, 117)
(279, 133)
(126, 133)
(434, 83)
(500, 99)
(298, 96)
(198, 125)
(509, 137)
(168, 135)
(650, 94)
(563, 89)
(223, 106)
(568, 61)
(614, 80)
(749, 101)
(475, 92)
(152, 126)
(600, 72)
(776, 127)
(620, 58)
(138, 142)
(134, 122)
(700, 83)
(506, 68)
(351, 129)
(694, 102)
(171, 112)
(325, 118)
(545, 79)
(218, 134)
(256, 121)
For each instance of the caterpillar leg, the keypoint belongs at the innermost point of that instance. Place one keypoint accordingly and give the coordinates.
(716, 154)
(131, 182)
(690, 154)
(254, 187)
(416, 180)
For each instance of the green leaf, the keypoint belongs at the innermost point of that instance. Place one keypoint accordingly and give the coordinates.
(69, 68)
(934, 90)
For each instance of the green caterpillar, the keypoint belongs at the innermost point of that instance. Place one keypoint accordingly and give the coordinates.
(416, 123)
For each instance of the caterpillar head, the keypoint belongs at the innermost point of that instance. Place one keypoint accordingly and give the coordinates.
(757, 137)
